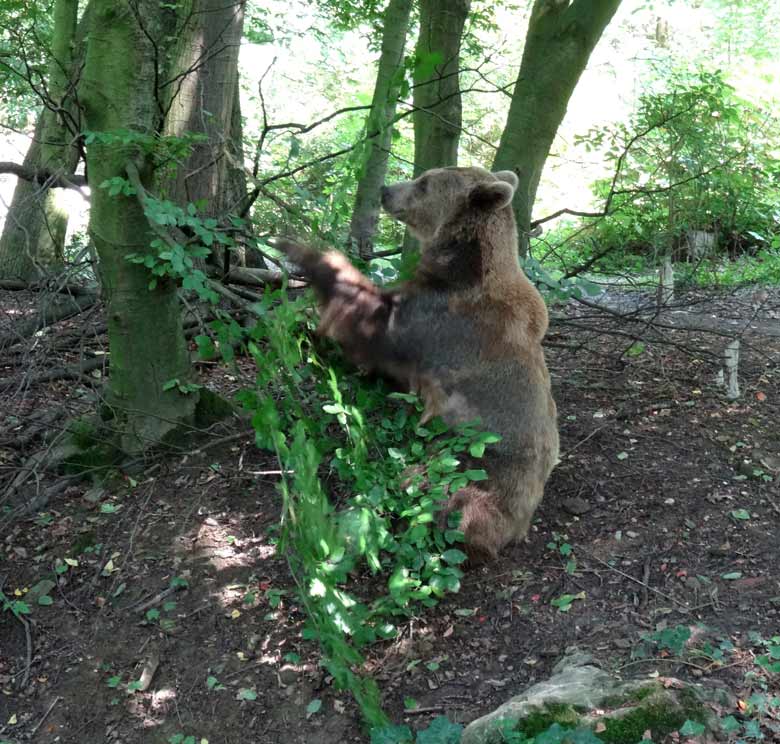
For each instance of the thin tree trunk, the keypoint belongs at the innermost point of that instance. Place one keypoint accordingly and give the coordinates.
(33, 238)
(560, 39)
(438, 114)
(202, 102)
(383, 106)
(146, 340)
(438, 110)
(236, 193)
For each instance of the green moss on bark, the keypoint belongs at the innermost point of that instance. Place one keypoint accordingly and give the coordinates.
(211, 408)
(144, 325)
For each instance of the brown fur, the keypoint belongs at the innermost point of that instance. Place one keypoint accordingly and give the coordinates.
(465, 333)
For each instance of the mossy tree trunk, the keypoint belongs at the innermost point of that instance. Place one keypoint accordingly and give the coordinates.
(438, 109)
(33, 238)
(383, 107)
(120, 92)
(438, 114)
(561, 36)
(203, 99)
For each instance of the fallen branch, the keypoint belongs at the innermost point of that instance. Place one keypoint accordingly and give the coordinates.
(260, 278)
(77, 372)
(38, 424)
(15, 285)
(52, 311)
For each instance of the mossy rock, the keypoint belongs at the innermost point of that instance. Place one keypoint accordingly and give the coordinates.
(211, 408)
(579, 696)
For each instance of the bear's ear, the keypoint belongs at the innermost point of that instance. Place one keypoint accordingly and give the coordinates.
(491, 195)
(509, 177)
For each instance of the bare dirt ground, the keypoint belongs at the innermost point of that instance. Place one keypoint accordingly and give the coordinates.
(659, 492)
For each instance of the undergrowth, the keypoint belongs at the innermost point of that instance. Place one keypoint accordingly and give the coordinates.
(393, 475)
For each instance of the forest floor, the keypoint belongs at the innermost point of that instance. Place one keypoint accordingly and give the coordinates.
(666, 492)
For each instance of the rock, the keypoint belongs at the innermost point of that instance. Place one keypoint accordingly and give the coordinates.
(580, 695)
(576, 506)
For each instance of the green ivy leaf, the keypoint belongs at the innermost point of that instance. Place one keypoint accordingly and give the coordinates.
(692, 728)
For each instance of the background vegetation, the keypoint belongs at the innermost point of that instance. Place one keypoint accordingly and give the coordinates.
(153, 151)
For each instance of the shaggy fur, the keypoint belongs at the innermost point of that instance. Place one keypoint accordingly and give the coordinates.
(465, 333)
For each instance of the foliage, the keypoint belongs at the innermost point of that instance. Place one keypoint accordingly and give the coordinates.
(394, 472)
(694, 157)
(25, 36)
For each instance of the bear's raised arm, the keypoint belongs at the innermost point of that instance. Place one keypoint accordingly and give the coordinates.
(353, 311)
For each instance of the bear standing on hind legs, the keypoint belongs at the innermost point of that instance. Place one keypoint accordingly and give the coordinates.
(465, 333)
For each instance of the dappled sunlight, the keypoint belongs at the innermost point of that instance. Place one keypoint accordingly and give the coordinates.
(222, 547)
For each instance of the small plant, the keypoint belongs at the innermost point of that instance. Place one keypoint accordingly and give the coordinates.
(561, 546)
(666, 641)
(17, 607)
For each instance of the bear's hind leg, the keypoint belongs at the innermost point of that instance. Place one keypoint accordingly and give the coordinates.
(486, 526)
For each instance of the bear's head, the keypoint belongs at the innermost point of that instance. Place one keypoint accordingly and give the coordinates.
(442, 195)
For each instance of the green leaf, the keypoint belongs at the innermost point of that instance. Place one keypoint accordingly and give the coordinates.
(441, 731)
(313, 707)
(246, 694)
(692, 728)
(426, 64)
(477, 449)
(453, 556)
(45, 600)
(741, 514)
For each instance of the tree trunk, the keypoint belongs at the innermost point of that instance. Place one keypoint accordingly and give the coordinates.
(202, 101)
(438, 112)
(561, 36)
(146, 341)
(438, 115)
(236, 193)
(383, 105)
(33, 238)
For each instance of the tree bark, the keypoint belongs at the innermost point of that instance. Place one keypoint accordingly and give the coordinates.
(383, 106)
(33, 238)
(202, 99)
(438, 114)
(561, 36)
(146, 342)
(438, 110)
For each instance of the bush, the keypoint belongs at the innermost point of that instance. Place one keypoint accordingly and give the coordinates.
(694, 159)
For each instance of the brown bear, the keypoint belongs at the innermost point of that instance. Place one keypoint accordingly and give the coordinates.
(465, 333)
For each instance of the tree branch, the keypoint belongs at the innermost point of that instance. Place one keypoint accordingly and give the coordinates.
(44, 177)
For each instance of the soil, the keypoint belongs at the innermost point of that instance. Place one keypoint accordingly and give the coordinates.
(667, 493)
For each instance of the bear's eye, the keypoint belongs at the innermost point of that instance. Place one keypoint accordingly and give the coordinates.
(422, 185)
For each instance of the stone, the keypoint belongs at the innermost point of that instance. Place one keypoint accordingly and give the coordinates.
(579, 695)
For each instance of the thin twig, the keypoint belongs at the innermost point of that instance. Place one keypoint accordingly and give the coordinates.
(637, 581)
(45, 715)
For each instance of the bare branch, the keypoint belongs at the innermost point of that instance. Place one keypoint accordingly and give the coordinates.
(44, 177)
